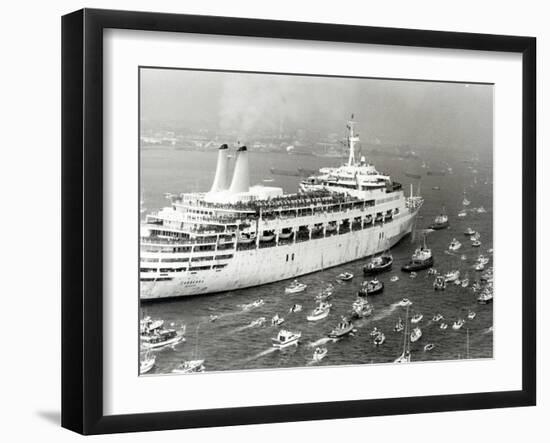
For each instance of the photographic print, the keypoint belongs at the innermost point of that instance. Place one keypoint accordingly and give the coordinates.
(293, 221)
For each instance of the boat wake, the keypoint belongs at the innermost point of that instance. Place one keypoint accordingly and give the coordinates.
(321, 341)
(385, 312)
(488, 330)
(261, 354)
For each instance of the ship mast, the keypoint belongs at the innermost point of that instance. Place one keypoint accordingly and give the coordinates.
(352, 139)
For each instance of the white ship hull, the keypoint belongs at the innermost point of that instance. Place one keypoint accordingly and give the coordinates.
(261, 266)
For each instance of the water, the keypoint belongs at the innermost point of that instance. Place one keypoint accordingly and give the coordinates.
(230, 343)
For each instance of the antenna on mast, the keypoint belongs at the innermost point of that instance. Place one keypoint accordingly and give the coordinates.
(352, 139)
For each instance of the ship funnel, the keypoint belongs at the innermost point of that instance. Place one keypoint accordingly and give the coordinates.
(241, 175)
(221, 176)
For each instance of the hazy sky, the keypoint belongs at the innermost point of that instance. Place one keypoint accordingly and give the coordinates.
(421, 113)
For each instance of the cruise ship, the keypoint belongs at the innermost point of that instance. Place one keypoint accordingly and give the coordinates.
(237, 236)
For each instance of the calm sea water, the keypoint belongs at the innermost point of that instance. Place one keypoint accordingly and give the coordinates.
(231, 344)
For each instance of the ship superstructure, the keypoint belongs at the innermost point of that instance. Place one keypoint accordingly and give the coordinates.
(237, 236)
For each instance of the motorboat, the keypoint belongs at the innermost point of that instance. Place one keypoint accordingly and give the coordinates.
(482, 259)
(371, 287)
(148, 326)
(361, 308)
(432, 271)
(463, 213)
(345, 276)
(325, 293)
(429, 347)
(481, 210)
(412, 274)
(257, 303)
(476, 243)
(451, 276)
(320, 312)
(276, 320)
(471, 315)
(160, 338)
(295, 308)
(465, 282)
(344, 328)
(417, 318)
(437, 317)
(375, 331)
(457, 282)
(443, 326)
(213, 317)
(295, 287)
(479, 267)
(439, 283)
(465, 201)
(475, 236)
(455, 245)
(394, 278)
(378, 264)
(379, 339)
(458, 324)
(146, 363)
(319, 353)
(422, 258)
(189, 367)
(416, 334)
(285, 338)
(399, 326)
(258, 322)
(485, 297)
(463, 257)
(469, 232)
(440, 222)
(405, 302)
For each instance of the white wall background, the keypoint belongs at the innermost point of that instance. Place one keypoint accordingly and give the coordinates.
(30, 216)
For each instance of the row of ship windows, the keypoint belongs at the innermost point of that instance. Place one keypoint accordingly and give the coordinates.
(191, 268)
(186, 259)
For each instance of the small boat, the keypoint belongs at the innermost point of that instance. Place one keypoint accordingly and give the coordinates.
(440, 222)
(416, 334)
(189, 367)
(437, 317)
(469, 232)
(379, 339)
(285, 234)
(471, 315)
(378, 265)
(320, 312)
(451, 276)
(285, 338)
(455, 245)
(465, 282)
(421, 259)
(258, 322)
(481, 210)
(436, 188)
(417, 318)
(485, 297)
(371, 287)
(267, 236)
(295, 308)
(246, 238)
(375, 331)
(276, 320)
(458, 282)
(213, 318)
(161, 338)
(458, 324)
(429, 347)
(399, 326)
(465, 202)
(432, 271)
(476, 243)
(394, 278)
(344, 328)
(257, 303)
(405, 302)
(345, 276)
(147, 363)
(463, 257)
(295, 287)
(482, 259)
(463, 213)
(319, 353)
(325, 293)
(479, 267)
(413, 275)
(443, 326)
(361, 308)
(440, 283)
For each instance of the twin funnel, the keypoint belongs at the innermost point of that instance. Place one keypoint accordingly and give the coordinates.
(241, 174)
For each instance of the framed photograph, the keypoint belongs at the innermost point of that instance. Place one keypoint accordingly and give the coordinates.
(269, 221)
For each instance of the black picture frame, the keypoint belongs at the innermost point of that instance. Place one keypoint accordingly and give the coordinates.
(82, 220)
